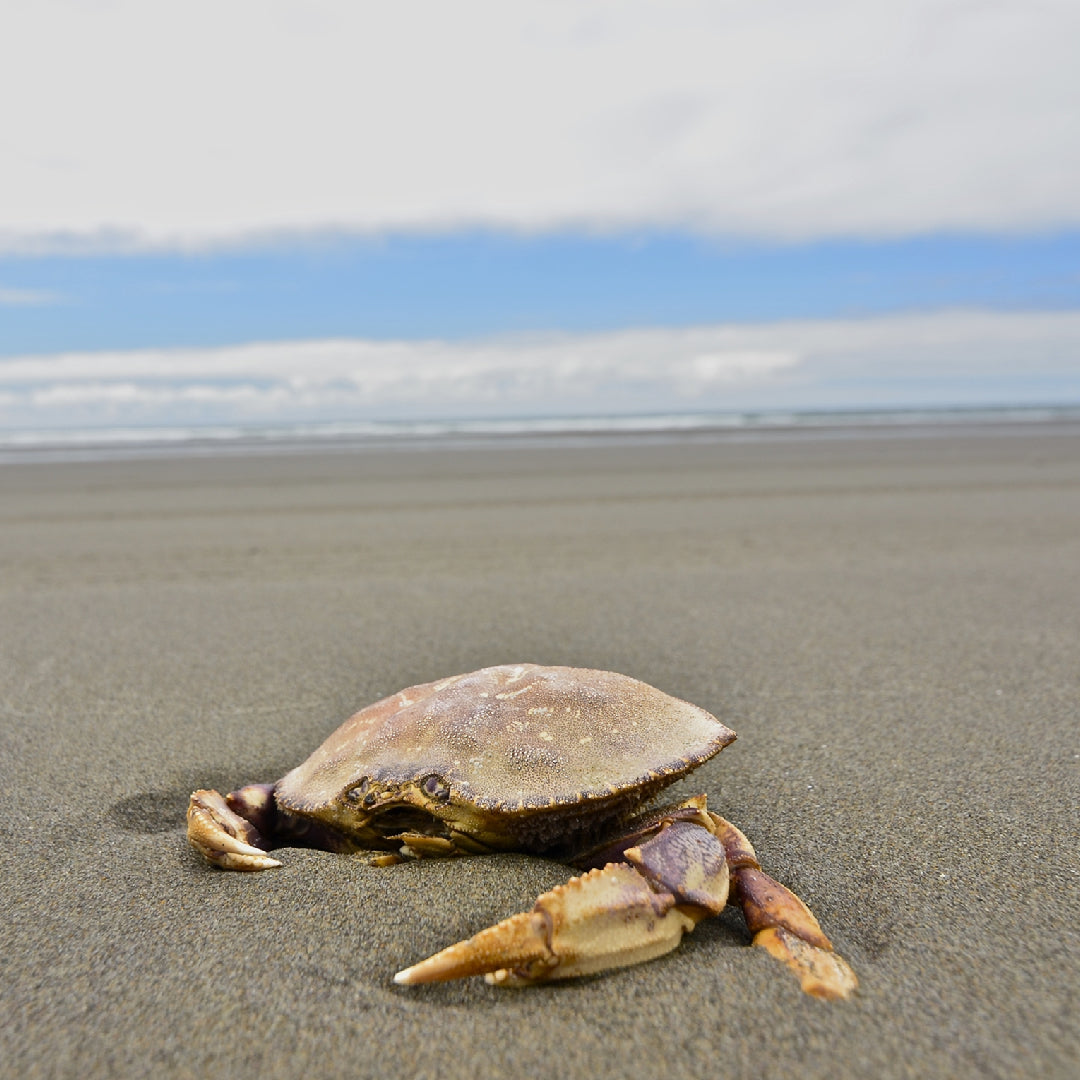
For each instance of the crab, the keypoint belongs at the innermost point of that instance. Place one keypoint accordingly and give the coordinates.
(554, 761)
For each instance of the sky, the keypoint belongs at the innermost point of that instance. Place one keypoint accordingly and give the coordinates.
(278, 211)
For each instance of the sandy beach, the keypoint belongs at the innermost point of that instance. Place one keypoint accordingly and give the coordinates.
(891, 623)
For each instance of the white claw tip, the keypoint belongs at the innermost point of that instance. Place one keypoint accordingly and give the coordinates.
(404, 978)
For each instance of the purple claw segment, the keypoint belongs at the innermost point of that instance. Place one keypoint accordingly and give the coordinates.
(255, 804)
(687, 861)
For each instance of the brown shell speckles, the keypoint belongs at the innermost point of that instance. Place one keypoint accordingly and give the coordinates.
(514, 737)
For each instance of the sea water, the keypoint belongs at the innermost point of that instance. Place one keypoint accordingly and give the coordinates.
(117, 443)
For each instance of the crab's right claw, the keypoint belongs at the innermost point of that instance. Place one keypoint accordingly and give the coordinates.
(222, 836)
(604, 919)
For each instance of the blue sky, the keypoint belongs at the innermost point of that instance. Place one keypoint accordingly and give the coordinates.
(335, 211)
(473, 284)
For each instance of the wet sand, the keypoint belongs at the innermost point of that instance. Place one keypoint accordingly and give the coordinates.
(891, 624)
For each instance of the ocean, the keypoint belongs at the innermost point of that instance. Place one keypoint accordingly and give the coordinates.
(128, 443)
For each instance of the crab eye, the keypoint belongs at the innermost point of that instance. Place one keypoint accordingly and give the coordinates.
(433, 786)
(359, 792)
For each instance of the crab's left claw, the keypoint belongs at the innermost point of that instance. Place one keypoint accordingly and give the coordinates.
(222, 836)
(610, 917)
(606, 918)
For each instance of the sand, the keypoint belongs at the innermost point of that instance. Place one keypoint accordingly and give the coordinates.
(890, 623)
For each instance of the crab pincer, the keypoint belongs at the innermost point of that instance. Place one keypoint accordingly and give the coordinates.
(224, 837)
(627, 912)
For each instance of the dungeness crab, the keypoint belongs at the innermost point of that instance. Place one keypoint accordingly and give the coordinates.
(551, 760)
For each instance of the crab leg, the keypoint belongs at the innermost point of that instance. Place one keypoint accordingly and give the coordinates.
(781, 923)
(614, 916)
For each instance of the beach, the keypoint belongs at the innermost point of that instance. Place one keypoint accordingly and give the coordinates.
(890, 621)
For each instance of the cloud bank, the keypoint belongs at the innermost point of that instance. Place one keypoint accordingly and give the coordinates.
(135, 123)
(950, 358)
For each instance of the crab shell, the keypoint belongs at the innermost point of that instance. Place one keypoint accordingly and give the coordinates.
(519, 757)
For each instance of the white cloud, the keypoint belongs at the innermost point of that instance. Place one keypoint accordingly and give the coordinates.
(949, 358)
(313, 379)
(133, 123)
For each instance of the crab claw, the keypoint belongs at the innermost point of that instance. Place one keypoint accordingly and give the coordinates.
(607, 918)
(222, 836)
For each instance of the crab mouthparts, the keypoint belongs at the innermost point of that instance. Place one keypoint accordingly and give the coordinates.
(395, 820)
